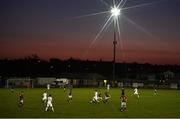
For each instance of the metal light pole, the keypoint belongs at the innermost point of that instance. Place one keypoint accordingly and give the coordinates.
(114, 51)
(115, 13)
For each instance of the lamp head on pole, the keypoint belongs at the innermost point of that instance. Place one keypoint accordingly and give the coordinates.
(115, 11)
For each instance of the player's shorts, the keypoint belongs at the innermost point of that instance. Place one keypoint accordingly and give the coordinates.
(21, 101)
(135, 93)
(44, 98)
(49, 104)
(123, 104)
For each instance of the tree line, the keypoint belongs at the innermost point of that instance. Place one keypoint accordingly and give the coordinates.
(35, 67)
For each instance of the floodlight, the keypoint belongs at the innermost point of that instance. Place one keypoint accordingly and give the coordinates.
(115, 11)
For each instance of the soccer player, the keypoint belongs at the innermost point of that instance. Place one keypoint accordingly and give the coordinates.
(136, 92)
(70, 97)
(48, 86)
(21, 99)
(99, 97)
(95, 98)
(44, 99)
(12, 89)
(107, 96)
(155, 91)
(49, 103)
(108, 87)
(123, 100)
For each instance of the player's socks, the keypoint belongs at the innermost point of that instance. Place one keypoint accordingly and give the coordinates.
(46, 109)
(52, 109)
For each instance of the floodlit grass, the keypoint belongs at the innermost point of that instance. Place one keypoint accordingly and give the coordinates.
(165, 104)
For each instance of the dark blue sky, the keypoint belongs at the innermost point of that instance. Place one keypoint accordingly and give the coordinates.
(50, 28)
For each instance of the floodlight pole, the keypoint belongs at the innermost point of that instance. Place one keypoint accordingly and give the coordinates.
(114, 51)
(115, 11)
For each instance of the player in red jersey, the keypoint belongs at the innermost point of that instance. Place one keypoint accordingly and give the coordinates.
(70, 96)
(21, 99)
(107, 96)
(123, 100)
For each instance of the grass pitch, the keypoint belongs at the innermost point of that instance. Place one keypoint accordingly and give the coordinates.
(165, 104)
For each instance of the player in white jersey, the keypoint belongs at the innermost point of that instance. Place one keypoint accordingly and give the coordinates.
(155, 91)
(48, 86)
(96, 95)
(108, 87)
(136, 92)
(49, 103)
(95, 98)
(44, 99)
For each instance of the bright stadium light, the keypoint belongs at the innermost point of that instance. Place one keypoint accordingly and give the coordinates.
(115, 11)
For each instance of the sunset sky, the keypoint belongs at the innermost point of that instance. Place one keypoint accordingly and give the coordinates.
(54, 29)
